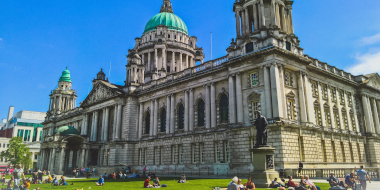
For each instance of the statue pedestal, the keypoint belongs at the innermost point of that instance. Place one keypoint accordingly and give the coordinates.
(263, 163)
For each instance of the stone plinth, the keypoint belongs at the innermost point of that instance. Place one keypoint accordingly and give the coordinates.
(263, 163)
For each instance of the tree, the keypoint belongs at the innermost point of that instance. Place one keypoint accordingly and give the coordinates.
(17, 152)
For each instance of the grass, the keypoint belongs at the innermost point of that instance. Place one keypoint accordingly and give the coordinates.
(193, 184)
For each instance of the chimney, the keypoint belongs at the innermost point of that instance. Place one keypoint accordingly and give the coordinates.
(10, 112)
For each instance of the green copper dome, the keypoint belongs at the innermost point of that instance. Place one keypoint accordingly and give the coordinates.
(67, 130)
(65, 76)
(172, 21)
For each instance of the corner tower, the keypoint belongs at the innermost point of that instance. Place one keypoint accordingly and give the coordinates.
(164, 49)
(261, 24)
(63, 98)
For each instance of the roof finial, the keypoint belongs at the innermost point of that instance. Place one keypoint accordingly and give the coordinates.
(166, 7)
(66, 67)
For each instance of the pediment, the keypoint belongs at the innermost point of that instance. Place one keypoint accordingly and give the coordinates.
(373, 80)
(101, 92)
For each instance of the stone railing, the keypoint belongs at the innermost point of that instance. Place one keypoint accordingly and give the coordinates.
(187, 72)
(325, 172)
(180, 44)
(332, 69)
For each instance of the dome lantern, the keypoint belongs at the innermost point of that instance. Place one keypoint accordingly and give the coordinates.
(65, 77)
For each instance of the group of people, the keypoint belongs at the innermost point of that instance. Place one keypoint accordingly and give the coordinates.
(351, 180)
(80, 172)
(57, 182)
(236, 184)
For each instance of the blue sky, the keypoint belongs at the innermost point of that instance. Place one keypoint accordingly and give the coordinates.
(38, 39)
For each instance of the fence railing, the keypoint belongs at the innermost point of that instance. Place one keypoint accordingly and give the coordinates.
(325, 172)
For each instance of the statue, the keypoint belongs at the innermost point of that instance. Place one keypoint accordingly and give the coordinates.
(261, 124)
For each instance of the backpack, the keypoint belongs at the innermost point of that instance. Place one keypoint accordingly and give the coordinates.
(164, 185)
(301, 188)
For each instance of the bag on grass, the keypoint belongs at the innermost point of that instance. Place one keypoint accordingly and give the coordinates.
(164, 185)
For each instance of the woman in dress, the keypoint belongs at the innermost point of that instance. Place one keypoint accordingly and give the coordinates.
(249, 185)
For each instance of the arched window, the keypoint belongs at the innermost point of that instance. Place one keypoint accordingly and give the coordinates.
(223, 104)
(181, 117)
(159, 40)
(147, 123)
(163, 120)
(201, 113)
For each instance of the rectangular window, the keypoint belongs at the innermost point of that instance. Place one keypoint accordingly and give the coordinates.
(193, 153)
(202, 152)
(35, 157)
(249, 47)
(301, 148)
(337, 120)
(254, 79)
(343, 152)
(351, 153)
(154, 155)
(359, 153)
(217, 152)
(180, 152)
(288, 46)
(142, 156)
(323, 147)
(255, 108)
(334, 151)
(227, 151)
(161, 155)
(327, 117)
(173, 154)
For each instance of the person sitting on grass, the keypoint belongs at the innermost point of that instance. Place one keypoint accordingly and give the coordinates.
(55, 182)
(10, 183)
(156, 182)
(104, 175)
(133, 175)
(183, 179)
(113, 175)
(3, 179)
(63, 181)
(100, 181)
(249, 185)
(233, 185)
(25, 185)
(147, 184)
(240, 186)
(302, 182)
(291, 183)
(275, 183)
(310, 183)
(49, 179)
(109, 177)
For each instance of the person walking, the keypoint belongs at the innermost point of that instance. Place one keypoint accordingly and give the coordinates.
(17, 173)
(144, 170)
(362, 174)
(300, 167)
(93, 171)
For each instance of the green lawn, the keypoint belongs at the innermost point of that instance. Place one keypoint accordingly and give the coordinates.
(193, 184)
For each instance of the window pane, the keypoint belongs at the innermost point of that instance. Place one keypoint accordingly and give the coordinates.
(224, 109)
(147, 123)
(163, 120)
(181, 117)
(201, 113)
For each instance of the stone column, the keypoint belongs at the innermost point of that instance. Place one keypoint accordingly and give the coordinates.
(375, 116)
(172, 115)
(152, 109)
(237, 15)
(140, 131)
(155, 59)
(355, 113)
(213, 106)
(118, 124)
(180, 61)
(82, 157)
(268, 99)
(239, 99)
(155, 117)
(262, 13)
(187, 61)
(186, 116)
(291, 29)
(378, 111)
(191, 110)
(273, 13)
(149, 67)
(192, 61)
(321, 106)
(278, 16)
(255, 17)
(242, 15)
(164, 59)
(114, 123)
(51, 159)
(102, 127)
(83, 124)
(330, 107)
(247, 28)
(50, 104)
(106, 122)
(309, 100)
(339, 110)
(231, 90)
(283, 24)
(347, 112)
(167, 114)
(41, 159)
(276, 92)
(281, 70)
(302, 100)
(86, 154)
(94, 130)
(173, 62)
(208, 106)
(367, 115)
(143, 59)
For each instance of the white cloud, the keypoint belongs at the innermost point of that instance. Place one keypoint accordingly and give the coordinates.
(366, 64)
(370, 40)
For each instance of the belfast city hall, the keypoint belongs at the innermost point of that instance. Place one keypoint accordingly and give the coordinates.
(176, 112)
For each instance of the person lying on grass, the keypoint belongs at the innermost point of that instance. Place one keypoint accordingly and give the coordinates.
(100, 181)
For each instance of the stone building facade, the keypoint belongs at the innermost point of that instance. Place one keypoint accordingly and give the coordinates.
(174, 114)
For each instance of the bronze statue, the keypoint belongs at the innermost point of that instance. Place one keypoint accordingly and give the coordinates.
(261, 124)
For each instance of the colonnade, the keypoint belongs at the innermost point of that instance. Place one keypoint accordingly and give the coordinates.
(187, 60)
(62, 102)
(235, 107)
(252, 17)
(371, 108)
(135, 74)
(105, 124)
(273, 91)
